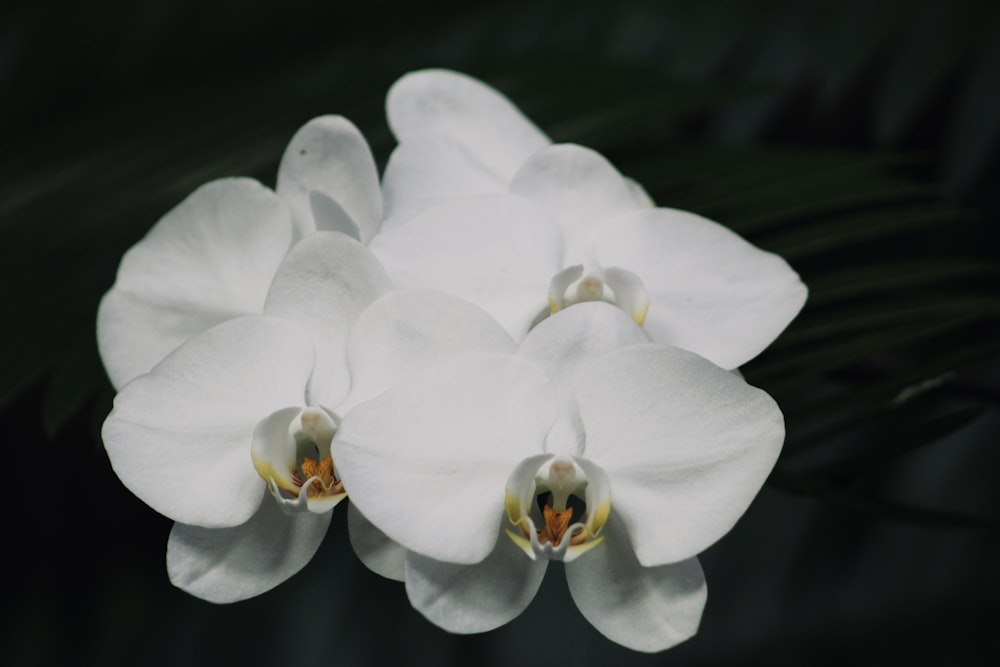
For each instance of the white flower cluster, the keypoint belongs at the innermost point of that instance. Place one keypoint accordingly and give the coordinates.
(503, 352)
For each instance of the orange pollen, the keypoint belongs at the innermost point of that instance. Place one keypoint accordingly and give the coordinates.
(556, 524)
(327, 482)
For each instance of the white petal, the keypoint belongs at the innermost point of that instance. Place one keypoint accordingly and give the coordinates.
(577, 188)
(642, 608)
(329, 155)
(324, 284)
(566, 342)
(563, 345)
(566, 437)
(208, 260)
(379, 553)
(427, 170)
(639, 194)
(686, 444)
(427, 461)
(474, 598)
(443, 102)
(232, 564)
(496, 251)
(180, 436)
(710, 291)
(330, 216)
(404, 332)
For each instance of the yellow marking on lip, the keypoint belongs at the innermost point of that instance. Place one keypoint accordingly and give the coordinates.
(599, 517)
(513, 506)
(639, 314)
(268, 472)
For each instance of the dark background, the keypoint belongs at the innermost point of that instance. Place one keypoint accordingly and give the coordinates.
(861, 140)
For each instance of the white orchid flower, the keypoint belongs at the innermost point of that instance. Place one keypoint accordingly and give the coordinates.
(457, 137)
(212, 258)
(480, 203)
(620, 458)
(254, 404)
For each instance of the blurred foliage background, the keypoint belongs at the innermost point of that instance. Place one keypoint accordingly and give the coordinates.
(860, 140)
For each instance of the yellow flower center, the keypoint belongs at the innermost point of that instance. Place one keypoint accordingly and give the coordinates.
(556, 523)
(613, 285)
(561, 489)
(291, 452)
(326, 483)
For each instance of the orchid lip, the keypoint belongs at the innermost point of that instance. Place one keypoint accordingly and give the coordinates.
(291, 452)
(557, 506)
(613, 285)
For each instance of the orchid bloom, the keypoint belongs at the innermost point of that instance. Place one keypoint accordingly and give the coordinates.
(253, 405)
(212, 258)
(480, 203)
(588, 445)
